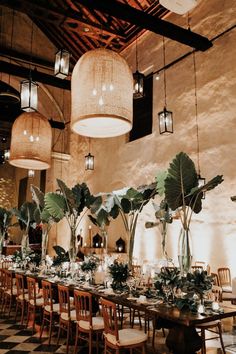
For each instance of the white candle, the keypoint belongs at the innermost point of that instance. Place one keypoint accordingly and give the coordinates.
(215, 305)
(85, 245)
(200, 308)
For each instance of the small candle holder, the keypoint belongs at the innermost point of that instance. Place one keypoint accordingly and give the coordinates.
(200, 308)
(215, 306)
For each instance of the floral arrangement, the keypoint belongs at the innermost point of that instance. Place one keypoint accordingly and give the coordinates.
(197, 282)
(168, 277)
(29, 257)
(119, 273)
(90, 265)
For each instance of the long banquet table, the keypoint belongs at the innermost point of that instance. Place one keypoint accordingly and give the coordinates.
(182, 337)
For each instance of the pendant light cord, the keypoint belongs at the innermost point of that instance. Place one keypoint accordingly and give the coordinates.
(164, 71)
(136, 42)
(31, 49)
(196, 111)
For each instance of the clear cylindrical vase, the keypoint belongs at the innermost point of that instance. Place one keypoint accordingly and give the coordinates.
(185, 251)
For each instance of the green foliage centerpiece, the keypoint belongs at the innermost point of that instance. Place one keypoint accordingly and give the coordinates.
(119, 273)
(179, 185)
(68, 204)
(5, 221)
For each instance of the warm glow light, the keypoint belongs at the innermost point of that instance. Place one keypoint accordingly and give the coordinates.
(102, 97)
(31, 150)
(165, 122)
(29, 95)
(31, 173)
(89, 162)
(62, 64)
(138, 85)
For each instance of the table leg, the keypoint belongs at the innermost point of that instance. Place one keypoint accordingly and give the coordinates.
(183, 340)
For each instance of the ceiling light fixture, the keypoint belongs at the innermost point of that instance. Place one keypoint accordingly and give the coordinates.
(29, 88)
(62, 64)
(31, 141)
(179, 7)
(165, 116)
(89, 160)
(101, 95)
(138, 90)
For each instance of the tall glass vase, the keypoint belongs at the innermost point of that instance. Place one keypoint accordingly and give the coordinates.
(185, 251)
(73, 246)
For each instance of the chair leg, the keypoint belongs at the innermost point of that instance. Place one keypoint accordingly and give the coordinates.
(10, 304)
(143, 348)
(90, 342)
(22, 312)
(42, 327)
(17, 308)
(76, 339)
(203, 341)
(221, 339)
(50, 327)
(59, 332)
(67, 337)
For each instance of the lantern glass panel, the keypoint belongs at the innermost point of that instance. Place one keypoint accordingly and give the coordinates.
(89, 162)
(62, 63)
(138, 91)
(29, 95)
(165, 122)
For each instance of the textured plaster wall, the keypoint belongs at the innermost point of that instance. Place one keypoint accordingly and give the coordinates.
(119, 164)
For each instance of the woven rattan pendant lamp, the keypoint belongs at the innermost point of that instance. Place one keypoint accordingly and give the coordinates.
(102, 95)
(31, 142)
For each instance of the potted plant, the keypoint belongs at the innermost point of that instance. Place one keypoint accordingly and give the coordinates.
(69, 204)
(179, 185)
(5, 221)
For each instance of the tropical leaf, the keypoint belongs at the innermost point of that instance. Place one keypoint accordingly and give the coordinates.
(37, 196)
(95, 203)
(181, 179)
(126, 205)
(94, 220)
(103, 217)
(67, 193)
(46, 217)
(160, 178)
(233, 198)
(115, 211)
(55, 205)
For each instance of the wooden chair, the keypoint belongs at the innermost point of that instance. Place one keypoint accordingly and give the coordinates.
(128, 338)
(215, 279)
(225, 279)
(86, 323)
(2, 284)
(6, 264)
(67, 316)
(22, 296)
(213, 326)
(35, 301)
(10, 291)
(50, 309)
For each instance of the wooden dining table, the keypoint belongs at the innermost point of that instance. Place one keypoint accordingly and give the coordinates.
(182, 336)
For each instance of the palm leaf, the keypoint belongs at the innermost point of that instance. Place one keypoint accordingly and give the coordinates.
(55, 205)
(181, 179)
(67, 193)
(37, 196)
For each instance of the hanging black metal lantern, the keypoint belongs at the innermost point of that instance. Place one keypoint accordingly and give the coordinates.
(89, 162)
(62, 64)
(165, 121)
(29, 95)
(138, 90)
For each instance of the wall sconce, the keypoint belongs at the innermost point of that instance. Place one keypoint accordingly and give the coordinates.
(120, 245)
(62, 64)
(97, 241)
(31, 173)
(29, 95)
(6, 154)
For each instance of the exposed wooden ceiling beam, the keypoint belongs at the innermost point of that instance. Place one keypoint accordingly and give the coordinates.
(37, 76)
(54, 14)
(149, 22)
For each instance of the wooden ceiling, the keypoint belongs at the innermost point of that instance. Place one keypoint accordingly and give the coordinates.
(77, 28)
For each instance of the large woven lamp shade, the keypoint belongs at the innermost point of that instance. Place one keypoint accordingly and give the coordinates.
(102, 95)
(31, 141)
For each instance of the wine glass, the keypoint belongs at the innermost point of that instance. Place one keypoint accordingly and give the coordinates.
(167, 291)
